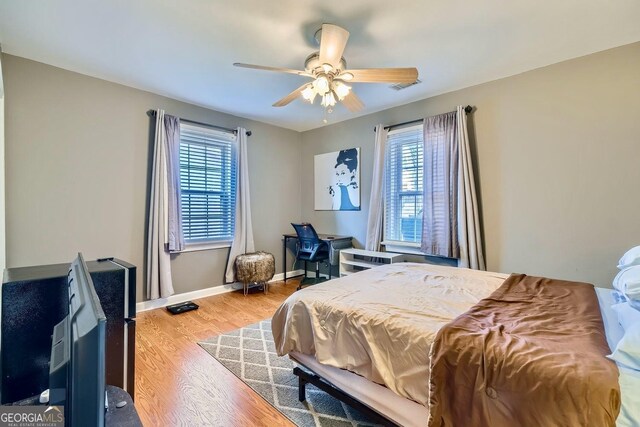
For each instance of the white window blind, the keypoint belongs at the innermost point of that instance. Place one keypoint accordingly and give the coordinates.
(208, 162)
(404, 185)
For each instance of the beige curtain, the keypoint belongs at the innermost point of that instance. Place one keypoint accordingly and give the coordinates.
(450, 225)
(243, 229)
(175, 236)
(376, 202)
(469, 234)
(159, 284)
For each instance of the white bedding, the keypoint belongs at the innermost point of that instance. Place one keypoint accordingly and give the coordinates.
(380, 323)
(629, 379)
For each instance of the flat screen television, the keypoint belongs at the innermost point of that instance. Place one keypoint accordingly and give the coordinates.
(77, 366)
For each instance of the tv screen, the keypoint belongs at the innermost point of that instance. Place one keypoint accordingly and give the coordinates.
(77, 366)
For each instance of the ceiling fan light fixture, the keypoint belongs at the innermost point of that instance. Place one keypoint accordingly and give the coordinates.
(309, 93)
(345, 76)
(321, 85)
(341, 90)
(328, 100)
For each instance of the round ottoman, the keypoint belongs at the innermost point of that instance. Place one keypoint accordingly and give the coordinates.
(255, 267)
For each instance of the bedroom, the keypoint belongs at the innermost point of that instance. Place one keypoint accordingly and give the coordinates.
(553, 136)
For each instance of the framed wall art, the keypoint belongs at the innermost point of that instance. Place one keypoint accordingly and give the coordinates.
(337, 180)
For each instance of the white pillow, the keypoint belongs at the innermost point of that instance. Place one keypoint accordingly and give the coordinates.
(627, 351)
(617, 285)
(627, 315)
(634, 297)
(627, 282)
(631, 257)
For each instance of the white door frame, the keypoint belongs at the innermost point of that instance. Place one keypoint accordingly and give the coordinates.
(3, 255)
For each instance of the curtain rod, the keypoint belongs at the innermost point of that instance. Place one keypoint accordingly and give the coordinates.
(467, 110)
(152, 113)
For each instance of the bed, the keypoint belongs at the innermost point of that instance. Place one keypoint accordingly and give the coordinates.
(368, 335)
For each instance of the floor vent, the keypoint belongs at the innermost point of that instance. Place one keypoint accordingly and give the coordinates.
(400, 86)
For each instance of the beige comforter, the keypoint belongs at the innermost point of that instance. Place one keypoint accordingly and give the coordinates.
(380, 323)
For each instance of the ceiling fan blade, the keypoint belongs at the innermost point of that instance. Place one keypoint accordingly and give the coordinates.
(332, 44)
(293, 95)
(353, 102)
(276, 69)
(381, 75)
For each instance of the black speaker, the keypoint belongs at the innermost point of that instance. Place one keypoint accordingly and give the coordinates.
(34, 300)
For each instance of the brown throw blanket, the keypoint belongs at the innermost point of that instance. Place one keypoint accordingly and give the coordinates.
(532, 354)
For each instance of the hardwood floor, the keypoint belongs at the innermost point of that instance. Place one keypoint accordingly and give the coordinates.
(179, 384)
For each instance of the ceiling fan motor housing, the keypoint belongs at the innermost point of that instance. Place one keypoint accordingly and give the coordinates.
(313, 65)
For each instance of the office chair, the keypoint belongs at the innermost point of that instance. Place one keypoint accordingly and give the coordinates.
(311, 249)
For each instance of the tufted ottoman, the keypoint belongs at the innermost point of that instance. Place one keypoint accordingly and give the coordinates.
(255, 267)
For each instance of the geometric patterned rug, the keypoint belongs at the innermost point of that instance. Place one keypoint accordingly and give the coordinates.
(250, 354)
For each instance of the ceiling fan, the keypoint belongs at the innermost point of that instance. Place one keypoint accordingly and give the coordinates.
(330, 75)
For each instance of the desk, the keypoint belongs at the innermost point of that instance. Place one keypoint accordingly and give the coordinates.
(335, 244)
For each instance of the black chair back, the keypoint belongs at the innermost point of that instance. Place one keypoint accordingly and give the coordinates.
(310, 247)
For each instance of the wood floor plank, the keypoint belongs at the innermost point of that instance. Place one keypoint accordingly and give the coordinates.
(179, 384)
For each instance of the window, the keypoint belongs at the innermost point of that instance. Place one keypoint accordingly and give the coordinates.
(403, 186)
(208, 184)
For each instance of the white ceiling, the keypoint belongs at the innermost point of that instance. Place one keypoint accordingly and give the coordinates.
(185, 49)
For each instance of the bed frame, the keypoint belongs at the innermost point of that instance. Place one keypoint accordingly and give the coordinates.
(311, 377)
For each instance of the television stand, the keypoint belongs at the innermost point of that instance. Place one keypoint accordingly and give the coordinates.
(126, 416)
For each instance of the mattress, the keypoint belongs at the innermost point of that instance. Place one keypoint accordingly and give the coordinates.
(629, 379)
(380, 323)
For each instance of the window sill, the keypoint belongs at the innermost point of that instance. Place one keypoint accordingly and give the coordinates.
(402, 247)
(414, 249)
(195, 247)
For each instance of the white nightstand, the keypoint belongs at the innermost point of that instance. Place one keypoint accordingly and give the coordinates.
(354, 260)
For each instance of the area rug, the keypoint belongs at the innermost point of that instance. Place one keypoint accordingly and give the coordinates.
(250, 354)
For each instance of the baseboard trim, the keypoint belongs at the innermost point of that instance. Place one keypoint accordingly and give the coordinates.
(202, 293)
(280, 276)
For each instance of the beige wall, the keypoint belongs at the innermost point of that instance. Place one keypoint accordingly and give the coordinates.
(557, 155)
(556, 152)
(77, 157)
